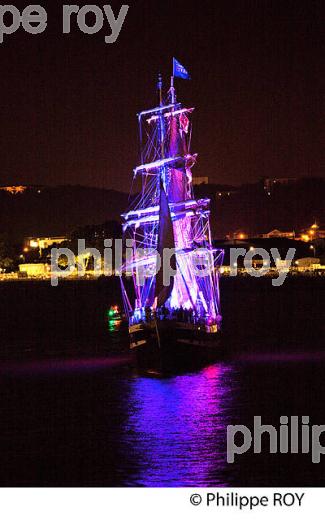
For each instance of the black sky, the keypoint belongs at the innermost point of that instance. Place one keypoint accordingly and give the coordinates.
(68, 102)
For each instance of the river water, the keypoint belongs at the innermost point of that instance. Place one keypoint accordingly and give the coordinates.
(74, 411)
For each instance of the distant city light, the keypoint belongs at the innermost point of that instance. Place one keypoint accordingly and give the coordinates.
(14, 190)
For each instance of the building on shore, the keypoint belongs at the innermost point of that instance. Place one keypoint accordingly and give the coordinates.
(309, 264)
(314, 232)
(197, 181)
(39, 270)
(42, 243)
(276, 233)
(237, 235)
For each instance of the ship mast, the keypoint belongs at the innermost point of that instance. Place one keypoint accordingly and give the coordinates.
(166, 215)
(172, 91)
(161, 118)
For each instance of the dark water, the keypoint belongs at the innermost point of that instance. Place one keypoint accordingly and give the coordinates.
(73, 411)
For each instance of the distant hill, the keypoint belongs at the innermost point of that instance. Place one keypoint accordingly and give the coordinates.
(254, 210)
(43, 211)
(58, 210)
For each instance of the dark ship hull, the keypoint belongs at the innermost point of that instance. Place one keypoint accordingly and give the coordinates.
(166, 347)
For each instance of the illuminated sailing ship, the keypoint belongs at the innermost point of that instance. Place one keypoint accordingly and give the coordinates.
(174, 322)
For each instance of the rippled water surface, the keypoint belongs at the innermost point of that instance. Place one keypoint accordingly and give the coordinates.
(96, 422)
(74, 412)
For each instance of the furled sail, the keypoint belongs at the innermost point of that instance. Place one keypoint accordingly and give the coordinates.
(184, 292)
(177, 188)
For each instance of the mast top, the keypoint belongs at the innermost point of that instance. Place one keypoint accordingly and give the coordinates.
(172, 91)
(159, 88)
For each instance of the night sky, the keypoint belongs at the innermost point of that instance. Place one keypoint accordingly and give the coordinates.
(68, 102)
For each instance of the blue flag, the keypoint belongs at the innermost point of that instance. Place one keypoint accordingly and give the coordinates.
(179, 71)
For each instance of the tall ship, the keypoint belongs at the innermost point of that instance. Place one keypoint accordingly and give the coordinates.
(170, 276)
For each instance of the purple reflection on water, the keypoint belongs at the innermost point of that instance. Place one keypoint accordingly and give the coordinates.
(176, 428)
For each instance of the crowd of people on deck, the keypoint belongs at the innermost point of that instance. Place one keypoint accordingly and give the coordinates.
(163, 313)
